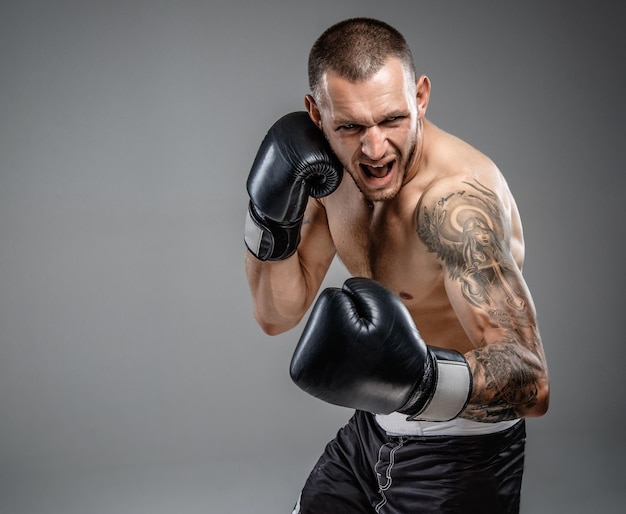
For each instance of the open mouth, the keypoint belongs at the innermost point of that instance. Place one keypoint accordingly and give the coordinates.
(373, 171)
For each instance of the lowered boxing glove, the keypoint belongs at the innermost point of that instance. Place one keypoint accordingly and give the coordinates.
(360, 349)
(294, 162)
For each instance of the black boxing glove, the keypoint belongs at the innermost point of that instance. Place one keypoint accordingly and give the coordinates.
(294, 162)
(360, 349)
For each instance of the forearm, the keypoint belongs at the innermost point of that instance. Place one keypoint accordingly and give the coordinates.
(279, 292)
(509, 382)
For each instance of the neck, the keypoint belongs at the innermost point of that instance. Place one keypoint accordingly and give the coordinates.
(416, 161)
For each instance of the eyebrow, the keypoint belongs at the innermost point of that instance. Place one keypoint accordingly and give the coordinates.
(351, 121)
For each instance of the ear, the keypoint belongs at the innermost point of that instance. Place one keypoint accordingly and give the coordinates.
(313, 110)
(422, 95)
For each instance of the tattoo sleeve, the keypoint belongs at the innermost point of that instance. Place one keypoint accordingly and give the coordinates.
(469, 233)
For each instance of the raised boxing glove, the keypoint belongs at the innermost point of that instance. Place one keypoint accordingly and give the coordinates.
(361, 349)
(294, 162)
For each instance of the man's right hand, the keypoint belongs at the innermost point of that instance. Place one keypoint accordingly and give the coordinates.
(294, 162)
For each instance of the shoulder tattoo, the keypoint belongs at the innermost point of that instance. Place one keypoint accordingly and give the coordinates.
(469, 233)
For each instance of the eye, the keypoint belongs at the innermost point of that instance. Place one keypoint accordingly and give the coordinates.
(348, 127)
(394, 120)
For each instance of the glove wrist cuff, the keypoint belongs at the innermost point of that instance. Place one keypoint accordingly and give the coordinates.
(269, 240)
(452, 388)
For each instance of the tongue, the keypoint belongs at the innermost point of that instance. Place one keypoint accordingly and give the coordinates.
(378, 172)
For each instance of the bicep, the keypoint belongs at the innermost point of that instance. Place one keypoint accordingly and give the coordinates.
(492, 302)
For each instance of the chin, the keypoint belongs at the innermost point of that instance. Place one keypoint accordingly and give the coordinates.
(380, 195)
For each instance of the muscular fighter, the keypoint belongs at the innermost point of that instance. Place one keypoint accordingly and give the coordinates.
(434, 340)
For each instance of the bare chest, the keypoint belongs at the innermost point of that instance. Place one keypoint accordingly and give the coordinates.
(380, 241)
(388, 249)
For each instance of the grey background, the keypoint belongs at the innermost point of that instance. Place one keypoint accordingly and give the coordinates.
(133, 378)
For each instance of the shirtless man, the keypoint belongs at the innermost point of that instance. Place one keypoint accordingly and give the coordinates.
(434, 342)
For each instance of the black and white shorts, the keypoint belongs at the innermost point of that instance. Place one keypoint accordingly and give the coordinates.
(365, 471)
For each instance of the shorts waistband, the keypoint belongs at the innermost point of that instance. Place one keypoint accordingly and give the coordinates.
(396, 424)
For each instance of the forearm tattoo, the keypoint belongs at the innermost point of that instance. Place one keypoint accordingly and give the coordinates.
(468, 232)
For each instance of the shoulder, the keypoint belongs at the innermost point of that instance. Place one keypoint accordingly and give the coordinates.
(467, 198)
(453, 163)
(457, 168)
(462, 174)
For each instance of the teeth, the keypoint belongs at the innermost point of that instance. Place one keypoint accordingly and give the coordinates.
(374, 170)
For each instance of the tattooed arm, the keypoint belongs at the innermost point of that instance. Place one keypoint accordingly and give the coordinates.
(470, 231)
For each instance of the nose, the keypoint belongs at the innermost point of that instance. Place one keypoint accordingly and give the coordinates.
(374, 143)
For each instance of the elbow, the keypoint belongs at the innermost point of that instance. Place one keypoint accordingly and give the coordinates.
(537, 400)
(538, 407)
(273, 328)
(543, 403)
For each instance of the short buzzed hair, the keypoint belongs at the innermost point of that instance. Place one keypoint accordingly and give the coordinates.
(356, 49)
